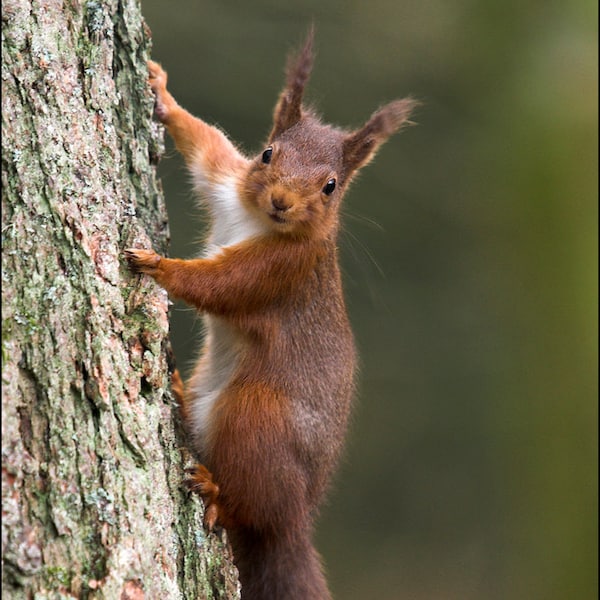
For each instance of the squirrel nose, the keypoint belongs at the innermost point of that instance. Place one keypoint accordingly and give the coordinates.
(279, 204)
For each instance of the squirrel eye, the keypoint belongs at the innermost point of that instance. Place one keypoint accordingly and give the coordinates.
(266, 155)
(329, 187)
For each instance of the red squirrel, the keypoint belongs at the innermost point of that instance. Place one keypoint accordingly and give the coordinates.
(267, 405)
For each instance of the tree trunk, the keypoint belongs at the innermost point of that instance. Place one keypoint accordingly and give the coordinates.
(93, 502)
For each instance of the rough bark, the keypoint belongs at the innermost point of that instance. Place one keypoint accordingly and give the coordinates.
(93, 502)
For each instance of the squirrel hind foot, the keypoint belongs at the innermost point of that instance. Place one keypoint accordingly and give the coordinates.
(199, 480)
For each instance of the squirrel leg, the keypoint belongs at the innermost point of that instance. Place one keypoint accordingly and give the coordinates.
(200, 480)
(178, 389)
(205, 148)
(210, 284)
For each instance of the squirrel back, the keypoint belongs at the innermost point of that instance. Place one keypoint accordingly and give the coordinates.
(267, 405)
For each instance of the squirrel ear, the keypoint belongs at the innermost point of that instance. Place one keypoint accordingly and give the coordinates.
(360, 146)
(289, 107)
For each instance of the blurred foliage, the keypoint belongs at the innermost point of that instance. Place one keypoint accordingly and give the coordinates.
(469, 253)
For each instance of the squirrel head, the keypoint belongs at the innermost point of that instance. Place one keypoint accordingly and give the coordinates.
(298, 181)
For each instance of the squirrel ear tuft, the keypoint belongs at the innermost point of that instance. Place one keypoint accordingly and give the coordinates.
(361, 145)
(289, 107)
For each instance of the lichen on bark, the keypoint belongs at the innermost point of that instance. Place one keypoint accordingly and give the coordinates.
(93, 502)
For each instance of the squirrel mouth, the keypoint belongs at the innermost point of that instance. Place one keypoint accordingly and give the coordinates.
(277, 218)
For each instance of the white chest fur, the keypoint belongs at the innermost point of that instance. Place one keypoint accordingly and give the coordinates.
(232, 223)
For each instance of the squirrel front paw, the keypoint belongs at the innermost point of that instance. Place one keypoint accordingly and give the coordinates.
(157, 78)
(142, 261)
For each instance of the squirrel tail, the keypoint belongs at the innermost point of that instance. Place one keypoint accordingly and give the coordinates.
(287, 568)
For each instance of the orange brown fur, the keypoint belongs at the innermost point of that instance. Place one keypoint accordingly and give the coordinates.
(267, 406)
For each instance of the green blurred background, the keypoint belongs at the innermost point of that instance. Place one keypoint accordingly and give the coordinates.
(470, 258)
